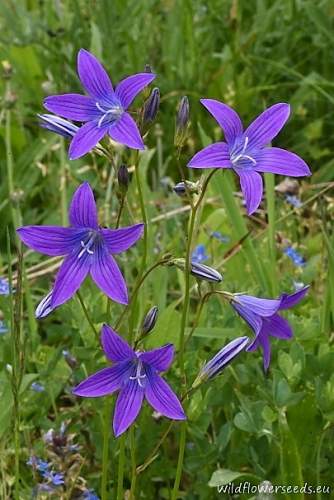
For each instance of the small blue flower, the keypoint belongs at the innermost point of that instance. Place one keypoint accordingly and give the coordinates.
(296, 258)
(293, 200)
(35, 386)
(220, 237)
(56, 478)
(4, 287)
(39, 464)
(199, 254)
(3, 328)
(89, 495)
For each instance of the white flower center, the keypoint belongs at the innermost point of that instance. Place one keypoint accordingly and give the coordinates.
(140, 373)
(88, 246)
(236, 156)
(112, 113)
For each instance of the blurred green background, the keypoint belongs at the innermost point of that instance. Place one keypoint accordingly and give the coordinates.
(249, 54)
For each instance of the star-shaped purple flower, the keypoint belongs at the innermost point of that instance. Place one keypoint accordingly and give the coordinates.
(136, 376)
(245, 151)
(103, 110)
(87, 249)
(262, 316)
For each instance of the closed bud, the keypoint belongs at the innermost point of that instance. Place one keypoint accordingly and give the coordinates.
(223, 358)
(44, 307)
(150, 320)
(182, 122)
(182, 188)
(151, 106)
(58, 125)
(70, 360)
(206, 273)
(123, 178)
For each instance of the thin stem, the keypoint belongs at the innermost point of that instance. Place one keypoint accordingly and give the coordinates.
(144, 217)
(63, 198)
(270, 196)
(121, 462)
(133, 463)
(180, 460)
(120, 210)
(105, 454)
(91, 324)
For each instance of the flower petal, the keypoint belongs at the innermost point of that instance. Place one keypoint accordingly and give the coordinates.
(128, 88)
(119, 240)
(161, 397)
(76, 107)
(254, 320)
(227, 118)
(104, 381)
(160, 359)
(114, 346)
(127, 406)
(263, 307)
(93, 76)
(282, 162)
(252, 187)
(106, 274)
(277, 327)
(86, 139)
(267, 125)
(69, 278)
(50, 240)
(213, 156)
(263, 341)
(291, 300)
(83, 212)
(125, 131)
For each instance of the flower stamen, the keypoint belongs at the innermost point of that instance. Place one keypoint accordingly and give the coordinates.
(242, 155)
(115, 112)
(87, 247)
(139, 375)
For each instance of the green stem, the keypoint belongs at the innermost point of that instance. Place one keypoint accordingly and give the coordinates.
(105, 455)
(91, 324)
(144, 217)
(133, 463)
(180, 460)
(63, 184)
(270, 196)
(121, 463)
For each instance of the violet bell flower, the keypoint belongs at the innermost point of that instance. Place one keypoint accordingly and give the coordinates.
(87, 249)
(246, 153)
(103, 110)
(136, 375)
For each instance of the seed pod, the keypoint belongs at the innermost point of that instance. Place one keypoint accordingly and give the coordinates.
(150, 320)
(123, 178)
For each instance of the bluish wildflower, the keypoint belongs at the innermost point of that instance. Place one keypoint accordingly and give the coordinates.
(245, 151)
(206, 273)
(35, 386)
(220, 237)
(56, 478)
(87, 248)
(262, 316)
(38, 464)
(150, 320)
(4, 287)
(293, 200)
(295, 256)
(3, 328)
(199, 254)
(89, 495)
(58, 125)
(136, 376)
(104, 109)
(225, 356)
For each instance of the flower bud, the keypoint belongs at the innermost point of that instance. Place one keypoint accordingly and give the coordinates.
(181, 188)
(224, 357)
(203, 272)
(44, 307)
(182, 122)
(151, 106)
(58, 125)
(150, 320)
(70, 360)
(123, 178)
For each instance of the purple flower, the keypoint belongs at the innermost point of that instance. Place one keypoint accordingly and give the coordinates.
(4, 287)
(220, 237)
(199, 254)
(56, 478)
(224, 357)
(87, 249)
(293, 200)
(135, 375)
(262, 315)
(38, 464)
(245, 151)
(103, 110)
(35, 386)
